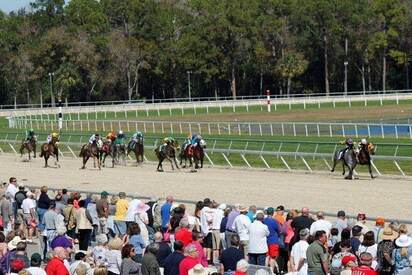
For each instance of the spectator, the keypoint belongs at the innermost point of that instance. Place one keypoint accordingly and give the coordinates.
(341, 222)
(19, 198)
(241, 267)
(355, 240)
(290, 233)
(101, 270)
(385, 250)
(17, 249)
(6, 212)
(348, 262)
(114, 256)
(361, 221)
(80, 261)
(119, 219)
(135, 239)
(336, 263)
(153, 213)
(29, 215)
(172, 262)
(69, 213)
(84, 225)
(223, 224)
(198, 270)
(231, 255)
(11, 191)
(241, 227)
(273, 238)
(50, 220)
(333, 239)
(129, 266)
(183, 233)
(142, 220)
(61, 240)
(56, 265)
(59, 202)
(91, 208)
(191, 259)
(206, 221)
(229, 225)
(317, 255)
(217, 220)
(65, 196)
(258, 240)
(43, 205)
(100, 250)
(280, 215)
(378, 229)
(16, 266)
(369, 245)
(102, 209)
(197, 242)
(164, 249)
(252, 213)
(165, 212)
(35, 265)
(320, 224)
(298, 254)
(345, 235)
(401, 255)
(150, 266)
(365, 263)
(301, 222)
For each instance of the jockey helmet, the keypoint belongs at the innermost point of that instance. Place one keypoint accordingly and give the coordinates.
(31, 130)
(96, 134)
(349, 141)
(55, 135)
(120, 132)
(364, 141)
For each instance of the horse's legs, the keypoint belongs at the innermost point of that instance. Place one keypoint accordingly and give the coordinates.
(335, 162)
(85, 159)
(201, 162)
(46, 158)
(34, 150)
(343, 168)
(174, 158)
(160, 166)
(370, 170)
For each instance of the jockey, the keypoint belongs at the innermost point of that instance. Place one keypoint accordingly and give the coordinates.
(168, 140)
(94, 138)
(349, 146)
(52, 136)
(364, 143)
(120, 138)
(137, 135)
(187, 141)
(195, 139)
(30, 134)
(111, 136)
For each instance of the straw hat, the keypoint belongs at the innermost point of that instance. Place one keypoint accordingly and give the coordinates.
(388, 234)
(116, 244)
(198, 270)
(403, 241)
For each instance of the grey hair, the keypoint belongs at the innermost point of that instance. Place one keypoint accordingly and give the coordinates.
(184, 223)
(153, 248)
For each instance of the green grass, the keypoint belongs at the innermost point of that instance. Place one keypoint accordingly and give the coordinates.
(174, 113)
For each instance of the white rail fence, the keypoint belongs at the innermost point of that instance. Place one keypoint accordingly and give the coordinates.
(224, 128)
(302, 101)
(242, 156)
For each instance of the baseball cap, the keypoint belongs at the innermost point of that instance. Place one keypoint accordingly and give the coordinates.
(104, 194)
(280, 208)
(270, 211)
(341, 213)
(35, 257)
(347, 259)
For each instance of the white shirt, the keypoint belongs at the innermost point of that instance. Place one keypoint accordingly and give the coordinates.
(257, 237)
(241, 226)
(131, 210)
(11, 191)
(298, 253)
(36, 270)
(373, 250)
(320, 224)
(365, 229)
(28, 204)
(206, 219)
(217, 218)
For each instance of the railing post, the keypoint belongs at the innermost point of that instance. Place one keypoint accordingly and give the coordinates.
(317, 126)
(171, 128)
(218, 129)
(294, 129)
(356, 130)
(238, 127)
(209, 159)
(343, 130)
(383, 134)
(369, 131)
(245, 160)
(260, 129)
(200, 128)
(180, 128)
(208, 128)
(306, 129)
(283, 129)
(154, 128)
(228, 127)
(264, 162)
(330, 130)
(285, 163)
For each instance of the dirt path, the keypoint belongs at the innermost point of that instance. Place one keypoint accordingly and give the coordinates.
(382, 196)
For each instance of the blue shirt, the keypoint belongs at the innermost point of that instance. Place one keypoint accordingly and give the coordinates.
(138, 243)
(251, 216)
(274, 228)
(165, 213)
(172, 263)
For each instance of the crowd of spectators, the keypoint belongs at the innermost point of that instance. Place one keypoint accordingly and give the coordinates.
(114, 235)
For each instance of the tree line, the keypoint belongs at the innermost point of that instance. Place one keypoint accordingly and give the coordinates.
(132, 49)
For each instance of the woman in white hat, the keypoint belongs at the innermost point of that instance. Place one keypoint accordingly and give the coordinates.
(401, 255)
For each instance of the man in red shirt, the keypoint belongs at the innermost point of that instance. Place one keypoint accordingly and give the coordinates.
(56, 265)
(364, 267)
(189, 261)
(184, 234)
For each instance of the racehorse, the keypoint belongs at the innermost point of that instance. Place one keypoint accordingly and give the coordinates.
(107, 149)
(29, 145)
(50, 150)
(167, 151)
(352, 157)
(91, 150)
(119, 153)
(138, 149)
(193, 154)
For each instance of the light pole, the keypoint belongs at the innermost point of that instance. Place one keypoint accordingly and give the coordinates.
(188, 86)
(51, 75)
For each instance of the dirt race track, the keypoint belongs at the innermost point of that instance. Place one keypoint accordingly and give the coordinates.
(382, 196)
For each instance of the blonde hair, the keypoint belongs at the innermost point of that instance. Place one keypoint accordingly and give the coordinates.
(81, 269)
(24, 272)
(101, 270)
(404, 252)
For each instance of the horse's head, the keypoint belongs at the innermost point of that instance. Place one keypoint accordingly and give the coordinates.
(139, 140)
(371, 148)
(202, 143)
(175, 145)
(99, 144)
(34, 138)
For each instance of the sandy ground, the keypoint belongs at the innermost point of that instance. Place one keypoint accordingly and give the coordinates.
(382, 196)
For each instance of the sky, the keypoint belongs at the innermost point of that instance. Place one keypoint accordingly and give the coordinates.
(10, 5)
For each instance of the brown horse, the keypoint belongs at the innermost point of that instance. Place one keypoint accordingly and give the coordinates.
(107, 150)
(138, 148)
(29, 145)
(167, 151)
(50, 150)
(193, 154)
(91, 150)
